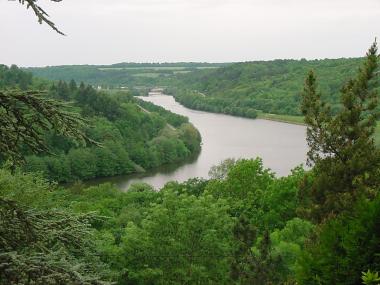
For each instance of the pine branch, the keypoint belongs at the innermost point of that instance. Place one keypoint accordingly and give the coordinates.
(40, 13)
(25, 116)
(37, 246)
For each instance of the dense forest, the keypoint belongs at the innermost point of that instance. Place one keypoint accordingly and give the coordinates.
(242, 89)
(134, 135)
(264, 86)
(244, 225)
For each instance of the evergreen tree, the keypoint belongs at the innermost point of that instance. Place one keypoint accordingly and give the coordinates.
(73, 85)
(242, 266)
(342, 149)
(253, 265)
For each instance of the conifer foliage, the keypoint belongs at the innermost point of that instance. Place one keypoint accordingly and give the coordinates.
(247, 266)
(45, 247)
(40, 13)
(26, 115)
(341, 146)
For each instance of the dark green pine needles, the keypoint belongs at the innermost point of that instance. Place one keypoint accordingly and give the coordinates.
(341, 147)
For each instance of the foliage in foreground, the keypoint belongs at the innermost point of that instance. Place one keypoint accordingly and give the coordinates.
(41, 245)
(370, 278)
(195, 232)
(343, 247)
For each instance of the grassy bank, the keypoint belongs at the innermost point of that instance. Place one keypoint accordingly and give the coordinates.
(299, 121)
(281, 118)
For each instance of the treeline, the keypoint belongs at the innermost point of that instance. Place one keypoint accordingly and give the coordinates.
(165, 65)
(266, 86)
(13, 77)
(240, 89)
(199, 101)
(131, 139)
(121, 74)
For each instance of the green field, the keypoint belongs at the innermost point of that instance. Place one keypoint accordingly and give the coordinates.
(281, 118)
(148, 75)
(144, 68)
(157, 68)
(182, 71)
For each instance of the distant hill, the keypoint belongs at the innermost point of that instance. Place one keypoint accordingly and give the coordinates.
(121, 74)
(268, 86)
(241, 89)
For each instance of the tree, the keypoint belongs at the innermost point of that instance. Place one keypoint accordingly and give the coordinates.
(221, 170)
(253, 265)
(342, 149)
(73, 85)
(343, 247)
(24, 118)
(242, 265)
(182, 240)
(40, 13)
(41, 244)
(48, 247)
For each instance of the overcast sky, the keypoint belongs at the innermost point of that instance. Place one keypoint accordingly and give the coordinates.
(111, 31)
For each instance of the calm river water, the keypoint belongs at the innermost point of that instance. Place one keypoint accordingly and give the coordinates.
(282, 146)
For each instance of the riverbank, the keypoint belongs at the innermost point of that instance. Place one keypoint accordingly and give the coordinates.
(193, 100)
(281, 146)
(298, 120)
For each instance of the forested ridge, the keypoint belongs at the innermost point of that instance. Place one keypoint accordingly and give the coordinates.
(264, 86)
(241, 89)
(134, 135)
(122, 75)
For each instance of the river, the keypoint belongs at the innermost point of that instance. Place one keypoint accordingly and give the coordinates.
(282, 146)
